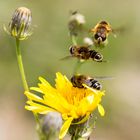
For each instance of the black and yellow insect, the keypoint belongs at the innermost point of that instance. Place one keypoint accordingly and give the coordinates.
(80, 80)
(85, 53)
(101, 32)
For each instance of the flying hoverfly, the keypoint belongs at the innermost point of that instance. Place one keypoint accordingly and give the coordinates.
(101, 32)
(84, 53)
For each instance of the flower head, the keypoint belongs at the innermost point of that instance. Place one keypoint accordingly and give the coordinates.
(73, 103)
(77, 17)
(20, 23)
(76, 23)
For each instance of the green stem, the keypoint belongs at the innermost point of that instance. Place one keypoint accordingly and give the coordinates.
(75, 136)
(25, 85)
(73, 38)
(77, 66)
(21, 68)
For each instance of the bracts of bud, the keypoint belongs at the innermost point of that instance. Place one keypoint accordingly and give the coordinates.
(20, 23)
(82, 131)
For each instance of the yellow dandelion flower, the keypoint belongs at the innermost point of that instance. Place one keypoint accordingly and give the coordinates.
(72, 102)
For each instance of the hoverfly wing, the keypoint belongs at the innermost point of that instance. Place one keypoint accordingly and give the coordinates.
(104, 61)
(35, 26)
(66, 57)
(104, 77)
(119, 30)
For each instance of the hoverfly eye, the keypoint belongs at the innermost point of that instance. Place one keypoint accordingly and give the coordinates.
(96, 36)
(72, 79)
(71, 49)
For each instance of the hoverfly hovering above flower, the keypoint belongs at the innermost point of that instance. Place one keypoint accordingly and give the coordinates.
(101, 32)
(81, 80)
(84, 53)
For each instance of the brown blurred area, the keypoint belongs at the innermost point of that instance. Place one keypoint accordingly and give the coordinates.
(50, 42)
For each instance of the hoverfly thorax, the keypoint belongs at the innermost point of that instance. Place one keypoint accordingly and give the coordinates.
(78, 80)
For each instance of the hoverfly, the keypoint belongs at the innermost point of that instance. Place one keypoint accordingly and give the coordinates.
(79, 80)
(101, 32)
(85, 53)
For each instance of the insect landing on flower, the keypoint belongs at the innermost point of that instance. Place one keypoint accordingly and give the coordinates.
(80, 80)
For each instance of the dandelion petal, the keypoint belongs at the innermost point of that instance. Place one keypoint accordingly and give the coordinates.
(101, 110)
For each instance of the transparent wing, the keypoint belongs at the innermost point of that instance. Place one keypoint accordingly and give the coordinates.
(66, 57)
(104, 77)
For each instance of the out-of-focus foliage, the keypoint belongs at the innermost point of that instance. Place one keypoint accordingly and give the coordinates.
(50, 42)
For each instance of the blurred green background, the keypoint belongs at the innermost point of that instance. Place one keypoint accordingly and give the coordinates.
(50, 42)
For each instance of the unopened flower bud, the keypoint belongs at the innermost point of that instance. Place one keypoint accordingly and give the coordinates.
(76, 23)
(51, 125)
(20, 23)
(82, 131)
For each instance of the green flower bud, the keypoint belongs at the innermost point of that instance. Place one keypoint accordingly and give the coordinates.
(82, 131)
(20, 23)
